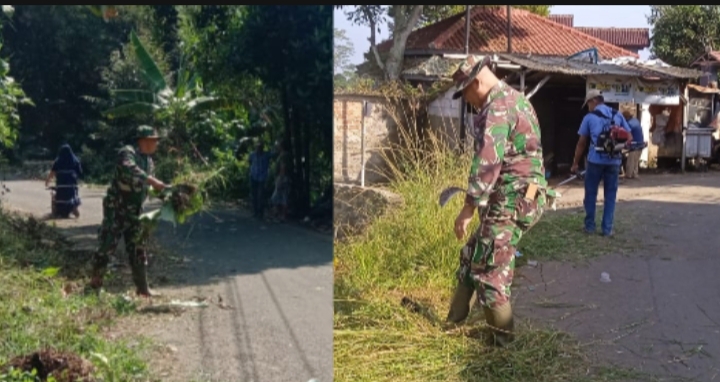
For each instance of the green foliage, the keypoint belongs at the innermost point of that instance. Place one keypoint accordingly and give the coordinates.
(191, 71)
(343, 51)
(43, 309)
(681, 33)
(301, 72)
(15, 375)
(11, 97)
(173, 109)
(363, 14)
(56, 51)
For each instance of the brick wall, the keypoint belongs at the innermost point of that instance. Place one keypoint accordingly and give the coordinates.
(379, 129)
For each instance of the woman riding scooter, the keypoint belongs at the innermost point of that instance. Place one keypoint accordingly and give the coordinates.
(66, 170)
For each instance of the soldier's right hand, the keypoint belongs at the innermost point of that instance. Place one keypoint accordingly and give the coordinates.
(157, 185)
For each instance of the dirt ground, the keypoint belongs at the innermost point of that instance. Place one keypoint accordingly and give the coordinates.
(660, 312)
(270, 286)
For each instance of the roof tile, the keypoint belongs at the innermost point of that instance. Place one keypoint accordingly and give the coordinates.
(639, 37)
(531, 34)
(566, 20)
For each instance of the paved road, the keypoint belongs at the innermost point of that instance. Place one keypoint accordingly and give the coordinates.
(661, 312)
(277, 279)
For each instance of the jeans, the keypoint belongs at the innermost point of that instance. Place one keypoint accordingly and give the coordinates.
(257, 193)
(610, 176)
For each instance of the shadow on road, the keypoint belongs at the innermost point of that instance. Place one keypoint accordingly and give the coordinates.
(209, 246)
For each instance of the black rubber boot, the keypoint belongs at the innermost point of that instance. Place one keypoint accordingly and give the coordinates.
(460, 305)
(501, 323)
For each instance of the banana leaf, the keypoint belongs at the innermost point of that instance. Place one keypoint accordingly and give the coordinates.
(149, 67)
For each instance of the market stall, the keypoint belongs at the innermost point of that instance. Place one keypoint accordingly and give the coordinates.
(664, 101)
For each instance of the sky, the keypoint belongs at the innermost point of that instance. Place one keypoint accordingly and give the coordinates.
(621, 16)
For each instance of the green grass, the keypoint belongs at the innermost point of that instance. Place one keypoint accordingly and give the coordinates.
(412, 252)
(559, 236)
(36, 312)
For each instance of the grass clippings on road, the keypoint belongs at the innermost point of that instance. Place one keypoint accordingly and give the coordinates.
(42, 308)
(412, 252)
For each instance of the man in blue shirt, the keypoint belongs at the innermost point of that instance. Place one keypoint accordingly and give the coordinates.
(259, 169)
(633, 158)
(600, 166)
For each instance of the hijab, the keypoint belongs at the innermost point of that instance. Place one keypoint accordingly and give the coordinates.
(66, 159)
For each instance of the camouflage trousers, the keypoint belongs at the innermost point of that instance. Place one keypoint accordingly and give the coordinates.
(121, 220)
(487, 261)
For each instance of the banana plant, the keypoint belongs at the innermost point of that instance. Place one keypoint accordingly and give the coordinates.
(177, 106)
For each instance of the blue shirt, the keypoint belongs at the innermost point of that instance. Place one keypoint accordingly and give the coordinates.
(591, 127)
(260, 165)
(636, 130)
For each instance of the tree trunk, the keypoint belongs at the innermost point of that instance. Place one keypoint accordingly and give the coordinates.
(307, 170)
(299, 181)
(405, 20)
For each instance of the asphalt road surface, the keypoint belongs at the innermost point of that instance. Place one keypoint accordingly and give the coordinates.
(275, 278)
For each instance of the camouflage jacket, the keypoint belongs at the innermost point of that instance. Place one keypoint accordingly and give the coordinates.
(507, 148)
(130, 179)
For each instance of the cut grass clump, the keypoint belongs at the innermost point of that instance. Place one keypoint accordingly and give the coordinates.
(40, 309)
(412, 252)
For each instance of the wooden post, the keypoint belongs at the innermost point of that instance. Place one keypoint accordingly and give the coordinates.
(362, 144)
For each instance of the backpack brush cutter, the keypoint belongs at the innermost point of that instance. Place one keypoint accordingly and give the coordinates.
(630, 148)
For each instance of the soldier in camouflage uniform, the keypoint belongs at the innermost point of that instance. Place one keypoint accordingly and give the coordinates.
(506, 184)
(122, 207)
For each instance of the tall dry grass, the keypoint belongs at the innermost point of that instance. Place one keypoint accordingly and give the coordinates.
(411, 252)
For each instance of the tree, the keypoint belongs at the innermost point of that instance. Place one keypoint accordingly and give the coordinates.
(343, 69)
(174, 108)
(342, 53)
(405, 18)
(11, 96)
(683, 32)
(434, 13)
(402, 20)
(295, 60)
(56, 52)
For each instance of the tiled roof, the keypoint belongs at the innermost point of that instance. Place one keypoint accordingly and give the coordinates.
(623, 37)
(531, 33)
(639, 37)
(566, 20)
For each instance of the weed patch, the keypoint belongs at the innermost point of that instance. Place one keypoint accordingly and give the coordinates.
(41, 307)
(411, 252)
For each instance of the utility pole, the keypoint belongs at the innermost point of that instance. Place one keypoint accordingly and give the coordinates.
(463, 105)
(509, 30)
(467, 29)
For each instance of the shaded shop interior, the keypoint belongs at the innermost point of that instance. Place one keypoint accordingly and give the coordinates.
(557, 87)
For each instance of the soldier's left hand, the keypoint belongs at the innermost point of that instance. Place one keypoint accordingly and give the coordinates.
(462, 221)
